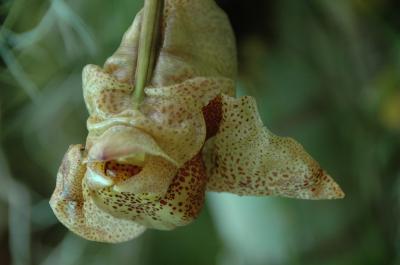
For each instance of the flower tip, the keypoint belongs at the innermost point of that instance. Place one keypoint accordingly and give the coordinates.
(327, 189)
(339, 192)
(88, 72)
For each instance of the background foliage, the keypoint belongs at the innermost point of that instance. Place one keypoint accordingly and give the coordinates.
(324, 72)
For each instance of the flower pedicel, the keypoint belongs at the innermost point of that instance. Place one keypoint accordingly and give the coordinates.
(149, 166)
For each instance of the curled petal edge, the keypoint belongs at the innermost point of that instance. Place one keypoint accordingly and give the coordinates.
(73, 206)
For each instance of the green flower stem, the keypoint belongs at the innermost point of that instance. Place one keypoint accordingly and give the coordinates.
(147, 47)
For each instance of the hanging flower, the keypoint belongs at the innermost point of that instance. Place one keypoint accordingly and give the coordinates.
(149, 166)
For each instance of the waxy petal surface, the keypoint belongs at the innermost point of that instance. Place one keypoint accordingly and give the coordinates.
(180, 205)
(74, 207)
(245, 158)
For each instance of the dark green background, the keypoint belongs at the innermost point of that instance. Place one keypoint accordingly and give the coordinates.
(326, 72)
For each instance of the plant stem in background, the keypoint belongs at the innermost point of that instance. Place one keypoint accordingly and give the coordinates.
(147, 47)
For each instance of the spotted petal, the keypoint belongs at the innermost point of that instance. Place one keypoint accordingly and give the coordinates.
(197, 41)
(180, 205)
(104, 94)
(130, 160)
(247, 159)
(172, 118)
(74, 207)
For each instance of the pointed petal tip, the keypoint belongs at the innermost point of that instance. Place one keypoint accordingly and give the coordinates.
(88, 72)
(327, 189)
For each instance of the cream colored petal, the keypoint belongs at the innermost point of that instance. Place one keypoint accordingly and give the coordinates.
(197, 41)
(247, 159)
(104, 95)
(176, 123)
(154, 179)
(200, 89)
(130, 160)
(73, 205)
(179, 206)
(172, 118)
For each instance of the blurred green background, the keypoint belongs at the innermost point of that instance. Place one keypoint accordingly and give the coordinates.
(324, 72)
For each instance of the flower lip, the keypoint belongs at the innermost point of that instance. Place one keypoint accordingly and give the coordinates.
(106, 174)
(120, 157)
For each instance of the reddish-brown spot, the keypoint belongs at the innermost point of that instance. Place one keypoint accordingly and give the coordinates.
(212, 115)
(121, 172)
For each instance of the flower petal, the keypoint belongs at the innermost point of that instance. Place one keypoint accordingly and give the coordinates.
(74, 207)
(173, 119)
(104, 95)
(197, 41)
(154, 178)
(180, 205)
(247, 159)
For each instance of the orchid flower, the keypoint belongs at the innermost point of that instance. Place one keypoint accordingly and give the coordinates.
(149, 166)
